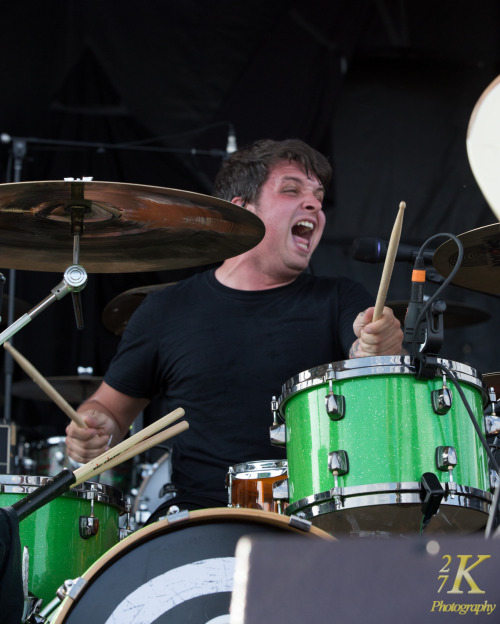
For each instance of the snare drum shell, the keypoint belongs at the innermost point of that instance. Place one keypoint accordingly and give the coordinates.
(57, 552)
(250, 484)
(390, 430)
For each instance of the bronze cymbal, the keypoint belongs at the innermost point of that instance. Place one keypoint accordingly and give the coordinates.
(480, 268)
(492, 380)
(127, 227)
(456, 315)
(118, 311)
(74, 389)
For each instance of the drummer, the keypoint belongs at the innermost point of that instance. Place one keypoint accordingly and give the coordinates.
(220, 344)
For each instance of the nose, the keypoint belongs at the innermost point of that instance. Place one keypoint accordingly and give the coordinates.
(312, 203)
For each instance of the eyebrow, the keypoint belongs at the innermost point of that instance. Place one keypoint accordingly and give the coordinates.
(301, 182)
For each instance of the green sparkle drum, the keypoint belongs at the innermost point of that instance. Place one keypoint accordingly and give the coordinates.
(61, 541)
(361, 433)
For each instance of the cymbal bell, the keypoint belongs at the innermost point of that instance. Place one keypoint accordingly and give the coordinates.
(118, 311)
(126, 227)
(456, 315)
(74, 389)
(480, 268)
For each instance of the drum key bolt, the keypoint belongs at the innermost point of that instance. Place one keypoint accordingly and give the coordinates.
(442, 399)
(277, 431)
(89, 525)
(334, 403)
(446, 460)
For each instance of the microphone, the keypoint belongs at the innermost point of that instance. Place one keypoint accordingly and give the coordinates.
(415, 304)
(231, 146)
(375, 250)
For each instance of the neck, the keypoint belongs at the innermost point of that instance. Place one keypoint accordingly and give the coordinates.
(240, 274)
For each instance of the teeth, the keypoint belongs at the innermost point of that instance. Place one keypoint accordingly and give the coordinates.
(305, 247)
(307, 224)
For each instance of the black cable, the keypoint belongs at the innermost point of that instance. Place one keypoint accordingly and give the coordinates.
(430, 301)
(480, 435)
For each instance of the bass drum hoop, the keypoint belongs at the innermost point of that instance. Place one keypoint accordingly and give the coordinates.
(192, 518)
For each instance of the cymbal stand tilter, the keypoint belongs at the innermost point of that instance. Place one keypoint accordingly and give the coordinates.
(74, 278)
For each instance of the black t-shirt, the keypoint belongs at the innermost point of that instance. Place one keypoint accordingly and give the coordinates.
(222, 354)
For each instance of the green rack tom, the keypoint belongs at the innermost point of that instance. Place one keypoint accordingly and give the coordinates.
(57, 549)
(361, 433)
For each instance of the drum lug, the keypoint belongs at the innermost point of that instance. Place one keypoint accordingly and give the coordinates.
(338, 464)
(126, 530)
(492, 425)
(442, 400)
(494, 479)
(446, 460)
(492, 421)
(277, 433)
(280, 493)
(334, 403)
(335, 406)
(89, 525)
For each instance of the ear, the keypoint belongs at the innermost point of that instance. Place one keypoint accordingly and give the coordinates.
(239, 201)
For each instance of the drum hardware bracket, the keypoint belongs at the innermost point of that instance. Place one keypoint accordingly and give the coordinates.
(334, 403)
(425, 366)
(442, 400)
(277, 431)
(280, 493)
(89, 525)
(338, 464)
(74, 280)
(298, 521)
(126, 530)
(277, 434)
(494, 479)
(32, 604)
(446, 460)
(71, 588)
(176, 516)
(431, 494)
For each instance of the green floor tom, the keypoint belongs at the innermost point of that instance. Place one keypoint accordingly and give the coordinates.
(361, 433)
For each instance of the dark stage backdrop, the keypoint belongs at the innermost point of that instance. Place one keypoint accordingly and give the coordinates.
(384, 89)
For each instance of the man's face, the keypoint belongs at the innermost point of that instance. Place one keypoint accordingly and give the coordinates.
(290, 205)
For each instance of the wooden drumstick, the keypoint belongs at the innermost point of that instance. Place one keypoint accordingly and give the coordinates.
(389, 263)
(40, 380)
(91, 470)
(109, 455)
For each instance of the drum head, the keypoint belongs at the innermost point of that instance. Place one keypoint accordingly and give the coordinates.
(172, 572)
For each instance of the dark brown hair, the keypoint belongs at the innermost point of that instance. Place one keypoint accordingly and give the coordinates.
(247, 169)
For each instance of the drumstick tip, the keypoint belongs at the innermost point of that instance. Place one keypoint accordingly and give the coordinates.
(402, 205)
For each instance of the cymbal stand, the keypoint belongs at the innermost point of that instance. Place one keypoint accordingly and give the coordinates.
(19, 150)
(74, 280)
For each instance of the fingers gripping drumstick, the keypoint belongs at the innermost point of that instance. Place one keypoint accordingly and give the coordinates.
(40, 380)
(389, 263)
(138, 443)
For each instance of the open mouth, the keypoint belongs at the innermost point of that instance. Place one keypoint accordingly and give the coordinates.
(302, 233)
